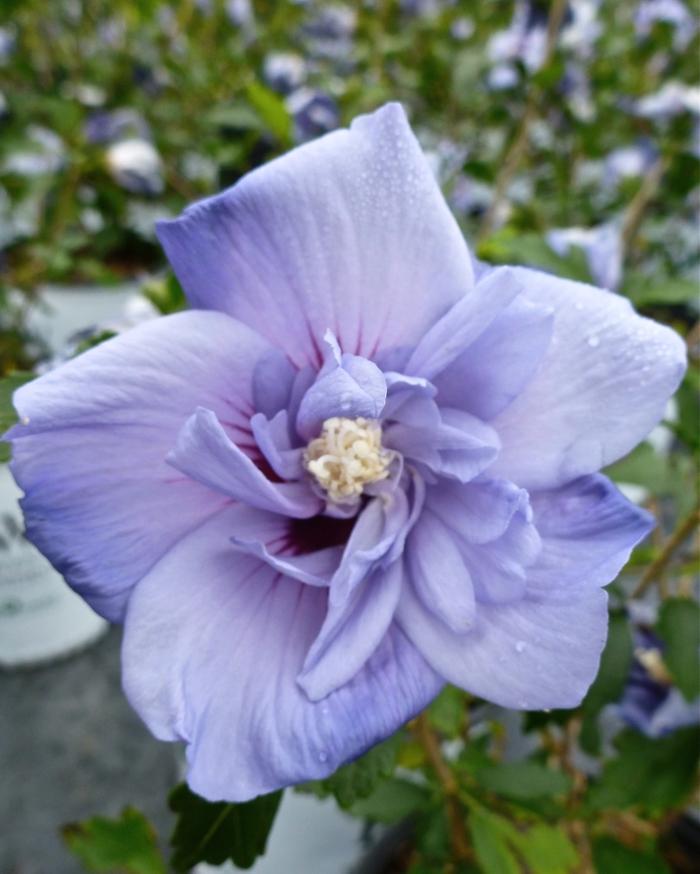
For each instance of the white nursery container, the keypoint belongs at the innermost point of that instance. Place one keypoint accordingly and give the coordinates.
(41, 618)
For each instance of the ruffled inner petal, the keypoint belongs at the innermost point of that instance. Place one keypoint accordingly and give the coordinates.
(351, 633)
(588, 531)
(204, 452)
(439, 575)
(353, 388)
(464, 323)
(459, 446)
(493, 370)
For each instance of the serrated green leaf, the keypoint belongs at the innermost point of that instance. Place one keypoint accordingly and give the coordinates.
(615, 664)
(8, 416)
(360, 778)
(612, 857)
(678, 627)
(523, 780)
(650, 774)
(126, 845)
(392, 800)
(219, 832)
(490, 842)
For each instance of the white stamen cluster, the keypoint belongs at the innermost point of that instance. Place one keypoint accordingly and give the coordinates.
(346, 457)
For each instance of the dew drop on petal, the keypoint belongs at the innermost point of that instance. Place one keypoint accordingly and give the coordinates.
(520, 646)
(323, 756)
(593, 341)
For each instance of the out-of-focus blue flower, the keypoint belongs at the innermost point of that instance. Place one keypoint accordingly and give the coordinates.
(136, 165)
(576, 86)
(583, 27)
(43, 153)
(672, 99)
(602, 246)
(524, 41)
(470, 197)
(329, 32)
(627, 162)
(240, 13)
(362, 465)
(462, 28)
(284, 72)
(8, 41)
(672, 12)
(109, 126)
(425, 8)
(650, 702)
(313, 112)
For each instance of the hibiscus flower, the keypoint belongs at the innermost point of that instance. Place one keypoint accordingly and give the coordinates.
(360, 466)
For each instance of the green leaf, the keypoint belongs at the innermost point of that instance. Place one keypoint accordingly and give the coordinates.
(688, 399)
(650, 774)
(126, 845)
(679, 628)
(510, 246)
(645, 290)
(642, 467)
(219, 832)
(546, 849)
(661, 475)
(490, 840)
(615, 665)
(272, 110)
(523, 780)
(94, 340)
(360, 778)
(8, 416)
(165, 293)
(447, 711)
(391, 801)
(612, 857)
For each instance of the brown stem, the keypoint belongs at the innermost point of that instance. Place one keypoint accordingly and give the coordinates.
(518, 147)
(679, 536)
(640, 202)
(431, 746)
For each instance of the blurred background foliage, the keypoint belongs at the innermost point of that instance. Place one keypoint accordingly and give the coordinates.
(565, 135)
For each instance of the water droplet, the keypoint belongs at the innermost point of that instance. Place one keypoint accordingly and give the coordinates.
(593, 341)
(323, 756)
(520, 646)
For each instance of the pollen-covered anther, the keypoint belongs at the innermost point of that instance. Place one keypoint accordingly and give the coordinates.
(347, 456)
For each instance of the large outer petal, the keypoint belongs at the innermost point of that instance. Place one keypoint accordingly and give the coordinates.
(214, 643)
(101, 503)
(348, 233)
(601, 387)
(535, 654)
